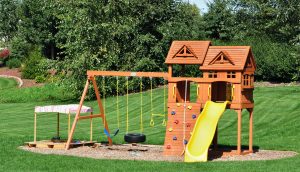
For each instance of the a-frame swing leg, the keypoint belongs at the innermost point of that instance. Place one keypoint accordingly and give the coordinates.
(101, 108)
(79, 109)
(77, 114)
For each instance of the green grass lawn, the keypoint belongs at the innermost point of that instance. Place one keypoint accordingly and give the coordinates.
(276, 126)
(6, 83)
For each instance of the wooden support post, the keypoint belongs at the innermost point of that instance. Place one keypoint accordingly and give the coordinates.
(250, 130)
(77, 114)
(101, 108)
(91, 128)
(239, 131)
(69, 123)
(34, 128)
(57, 125)
(215, 140)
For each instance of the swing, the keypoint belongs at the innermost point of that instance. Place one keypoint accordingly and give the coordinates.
(135, 137)
(164, 123)
(103, 87)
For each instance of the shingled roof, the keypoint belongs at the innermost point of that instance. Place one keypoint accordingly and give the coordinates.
(187, 52)
(227, 58)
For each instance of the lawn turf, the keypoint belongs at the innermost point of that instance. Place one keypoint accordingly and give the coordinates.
(6, 83)
(276, 126)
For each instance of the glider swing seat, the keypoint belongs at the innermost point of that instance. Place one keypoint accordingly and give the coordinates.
(129, 137)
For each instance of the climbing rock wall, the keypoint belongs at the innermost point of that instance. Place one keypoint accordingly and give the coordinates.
(174, 139)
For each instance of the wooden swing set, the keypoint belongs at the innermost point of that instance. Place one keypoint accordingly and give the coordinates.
(227, 76)
(91, 79)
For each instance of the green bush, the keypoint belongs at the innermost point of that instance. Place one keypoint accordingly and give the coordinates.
(13, 63)
(33, 65)
(19, 48)
(40, 79)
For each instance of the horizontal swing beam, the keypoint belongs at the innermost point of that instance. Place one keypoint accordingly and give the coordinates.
(90, 116)
(121, 73)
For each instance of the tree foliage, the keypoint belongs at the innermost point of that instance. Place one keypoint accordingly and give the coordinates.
(135, 35)
(122, 35)
(8, 18)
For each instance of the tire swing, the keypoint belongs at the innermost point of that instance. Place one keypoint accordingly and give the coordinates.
(134, 137)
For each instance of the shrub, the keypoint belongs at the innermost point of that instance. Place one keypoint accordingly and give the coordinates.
(4, 53)
(40, 79)
(32, 66)
(13, 63)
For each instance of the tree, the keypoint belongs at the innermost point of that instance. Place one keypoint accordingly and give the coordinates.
(121, 35)
(8, 18)
(38, 25)
(279, 19)
(219, 20)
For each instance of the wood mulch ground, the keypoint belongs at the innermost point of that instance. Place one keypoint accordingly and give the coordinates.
(17, 73)
(151, 153)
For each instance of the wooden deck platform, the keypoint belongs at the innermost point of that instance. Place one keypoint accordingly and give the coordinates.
(58, 145)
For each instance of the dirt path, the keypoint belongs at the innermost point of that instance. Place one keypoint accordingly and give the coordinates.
(16, 73)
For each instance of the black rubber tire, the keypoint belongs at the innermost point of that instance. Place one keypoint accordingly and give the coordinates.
(134, 138)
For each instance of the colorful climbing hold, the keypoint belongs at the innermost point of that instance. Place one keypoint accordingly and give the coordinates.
(176, 121)
(190, 107)
(178, 104)
(170, 129)
(173, 112)
(174, 138)
(188, 125)
(168, 146)
(194, 116)
(185, 141)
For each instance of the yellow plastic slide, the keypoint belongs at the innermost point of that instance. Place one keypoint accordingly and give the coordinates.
(203, 132)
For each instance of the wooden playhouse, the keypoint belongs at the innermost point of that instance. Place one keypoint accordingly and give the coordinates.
(227, 74)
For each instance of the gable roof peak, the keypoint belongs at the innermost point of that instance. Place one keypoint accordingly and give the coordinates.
(221, 58)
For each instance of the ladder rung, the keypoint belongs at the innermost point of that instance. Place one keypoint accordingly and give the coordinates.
(157, 114)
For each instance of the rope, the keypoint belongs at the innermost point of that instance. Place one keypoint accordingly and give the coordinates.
(184, 113)
(151, 99)
(141, 93)
(127, 123)
(164, 121)
(118, 112)
(103, 87)
(151, 104)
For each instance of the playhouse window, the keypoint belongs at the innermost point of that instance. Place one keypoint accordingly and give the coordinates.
(252, 80)
(212, 74)
(231, 75)
(246, 79)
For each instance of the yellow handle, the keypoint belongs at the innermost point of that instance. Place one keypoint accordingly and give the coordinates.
(164, 123)
(151, 122)
(209, 89)
(174, 87)
(232, 92)
(198, 90)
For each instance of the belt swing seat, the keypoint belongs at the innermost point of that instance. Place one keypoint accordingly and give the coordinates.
(117, 108)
